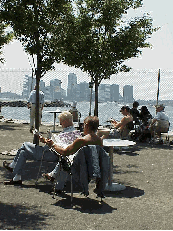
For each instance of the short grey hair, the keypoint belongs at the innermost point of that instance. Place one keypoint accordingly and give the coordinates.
(66, 115)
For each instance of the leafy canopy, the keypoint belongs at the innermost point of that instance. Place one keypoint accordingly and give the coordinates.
(102, 37)
(5, 38)
(39, 25)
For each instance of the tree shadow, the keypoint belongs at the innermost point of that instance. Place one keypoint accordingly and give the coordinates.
(31, 170)
(15, 216)
(124, 171)
(155, 145)
(116, 169)
(127, 152)
(7, 127)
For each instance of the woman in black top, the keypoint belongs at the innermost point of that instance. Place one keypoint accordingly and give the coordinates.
(145, 115)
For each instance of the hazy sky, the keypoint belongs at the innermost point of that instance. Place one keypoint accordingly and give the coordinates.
(145, 85)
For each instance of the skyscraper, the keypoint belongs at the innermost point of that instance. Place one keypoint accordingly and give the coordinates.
(128, 94)
(84, 92)
(114, 91)
(28, 86)
(55, 89)
(104, 92)
(72, 87)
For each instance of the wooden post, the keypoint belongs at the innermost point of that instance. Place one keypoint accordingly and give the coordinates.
(158, 87)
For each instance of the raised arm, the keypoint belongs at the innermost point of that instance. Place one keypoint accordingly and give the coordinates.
(122, 123)
(71, 149)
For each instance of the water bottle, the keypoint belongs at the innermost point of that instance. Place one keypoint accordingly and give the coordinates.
(49, 134)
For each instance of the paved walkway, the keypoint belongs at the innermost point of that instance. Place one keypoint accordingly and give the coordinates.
(145, 204)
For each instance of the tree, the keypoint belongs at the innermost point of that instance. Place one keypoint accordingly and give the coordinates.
(105, 38)
(5, 38)
(39, 25)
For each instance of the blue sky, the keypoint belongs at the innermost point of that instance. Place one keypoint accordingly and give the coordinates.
(145, 85)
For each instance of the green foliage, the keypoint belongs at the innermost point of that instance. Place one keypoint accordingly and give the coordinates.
(5, 38)
(102, 38)
(38, 24)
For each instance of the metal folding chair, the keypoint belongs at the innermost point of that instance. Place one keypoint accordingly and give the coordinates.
(65, 164)
(41, 163)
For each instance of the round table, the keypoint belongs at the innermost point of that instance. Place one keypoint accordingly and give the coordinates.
(111, 143)
(54, 118)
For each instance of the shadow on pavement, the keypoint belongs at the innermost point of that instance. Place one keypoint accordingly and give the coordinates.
(129, 192)
(15, 216)
(154, 145)
(9, 126)
(85, 205)
(30, 170)
(127, 152)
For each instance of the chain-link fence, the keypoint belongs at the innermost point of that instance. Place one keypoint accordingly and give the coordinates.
(73, 85)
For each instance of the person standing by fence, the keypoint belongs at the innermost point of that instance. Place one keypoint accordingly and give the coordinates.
(32, 104)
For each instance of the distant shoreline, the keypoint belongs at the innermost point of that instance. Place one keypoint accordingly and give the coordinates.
(21, 103)
(18, 121)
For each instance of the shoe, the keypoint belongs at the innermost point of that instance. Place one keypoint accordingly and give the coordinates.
(31, 130)
(11, 182)
(160, 141)
(101, 195)
(58, 191)
(47, 177)
(6, 165)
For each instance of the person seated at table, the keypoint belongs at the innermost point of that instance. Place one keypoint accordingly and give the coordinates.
(160, 122)
(145, 116)
(134, 112)
(123, 127)
(29, 151)
(91, 124)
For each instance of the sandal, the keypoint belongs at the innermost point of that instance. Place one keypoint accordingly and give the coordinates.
(47, 177)
(6, 165)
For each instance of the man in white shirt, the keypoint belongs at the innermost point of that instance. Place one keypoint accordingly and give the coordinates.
(31, 105)
(160, 123)
(30, 151)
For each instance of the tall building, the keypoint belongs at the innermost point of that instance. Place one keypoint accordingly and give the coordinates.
(114, 91)
(63, 94)
(128, 94)
(47, 93)
(28, 86)
(42, 85)
(72, 87)
(104, 92)
(83, 92)
(55, 89)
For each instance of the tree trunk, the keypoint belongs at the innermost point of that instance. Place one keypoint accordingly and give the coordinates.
(96, 97)
(38, 76)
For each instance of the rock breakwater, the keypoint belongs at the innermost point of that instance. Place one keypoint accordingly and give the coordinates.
(19, 103)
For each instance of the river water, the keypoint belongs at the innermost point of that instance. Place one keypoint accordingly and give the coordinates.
(106, 111)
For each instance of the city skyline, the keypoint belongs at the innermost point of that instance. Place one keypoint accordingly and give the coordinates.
(146, 89)
(151, 60)
(74, 91)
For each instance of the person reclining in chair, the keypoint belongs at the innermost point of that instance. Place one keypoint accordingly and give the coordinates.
(122, 128)
(29, 151)
(160, 123)
(91, 124)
